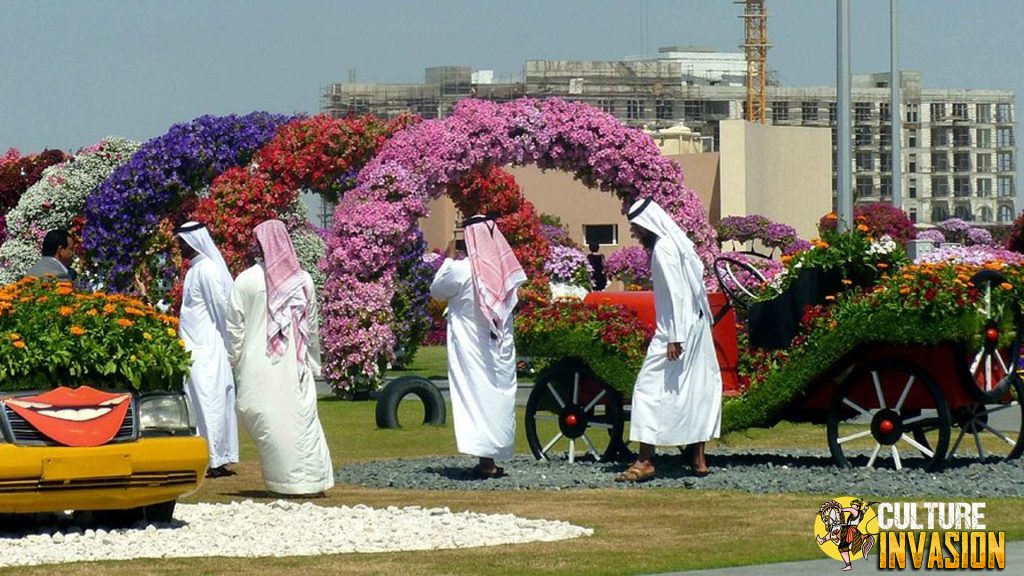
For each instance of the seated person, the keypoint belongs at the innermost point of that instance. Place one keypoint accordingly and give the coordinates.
(58, 251)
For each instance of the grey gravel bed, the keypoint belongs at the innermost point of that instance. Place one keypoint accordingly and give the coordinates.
(756, 472)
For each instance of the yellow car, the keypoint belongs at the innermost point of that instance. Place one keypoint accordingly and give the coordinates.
(85, 449)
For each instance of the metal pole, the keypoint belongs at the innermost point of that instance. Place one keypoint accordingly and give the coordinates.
(844, 195)
(895, 81)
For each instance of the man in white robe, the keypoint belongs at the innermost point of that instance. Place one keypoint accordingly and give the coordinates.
(481, 292)
(210, 385)
(275, 348)
(677, 399)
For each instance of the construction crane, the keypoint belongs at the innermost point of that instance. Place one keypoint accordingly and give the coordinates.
(755, 47)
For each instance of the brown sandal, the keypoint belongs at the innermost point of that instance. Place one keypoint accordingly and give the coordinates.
(634, 474)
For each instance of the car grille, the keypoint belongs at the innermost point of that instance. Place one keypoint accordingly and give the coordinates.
(137, 480)
(24, 434)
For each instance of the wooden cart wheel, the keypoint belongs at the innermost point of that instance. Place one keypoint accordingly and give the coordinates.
(889, 402)
(992, 367)
(991, 432)
(571, 411)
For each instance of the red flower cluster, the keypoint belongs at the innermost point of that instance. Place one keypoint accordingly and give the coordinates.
(495, 192)
(880, 218)
(17, 175)
(614, 326)
(321, 154)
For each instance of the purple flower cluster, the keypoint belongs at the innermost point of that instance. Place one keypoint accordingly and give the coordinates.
(568, 266)
(756, 227)
(630, 265)
(979, 237)
(419, 163)
(957, 230)
(931, 235)
(972, 255)
(555, 235)
(123, 214)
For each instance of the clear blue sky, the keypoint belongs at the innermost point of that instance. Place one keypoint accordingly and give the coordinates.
(74, 72)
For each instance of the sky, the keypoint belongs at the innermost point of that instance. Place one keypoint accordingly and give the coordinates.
(72, 73)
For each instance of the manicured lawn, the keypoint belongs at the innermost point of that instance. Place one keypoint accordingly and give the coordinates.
(635, 531)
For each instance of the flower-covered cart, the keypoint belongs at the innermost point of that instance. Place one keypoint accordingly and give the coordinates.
(913, 370)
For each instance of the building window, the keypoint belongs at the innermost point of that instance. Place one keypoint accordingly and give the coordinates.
(865, 186)
(983, 112)
(1004, 161)
(1004, 137)
(962, 212)
(940, 162)
(983, 162)
(883, 112)
(984, 187)
(832, 113)
(663, 109)
(984, 138)
(961, 136)
(865, 161)
(780, 111)
(885, 162)
(632, 109)
(961, 187)
(862, 111)
(912, 113)
(1005, 214)
(885, 137)
(603, 234)
(985, 213)
(1004, 113)
(939, 213)
(692, 110)
(938, 111)
(862, 135)
(913, 215)
(961, 162)
(912, 164)
(885, 186)
(960, 111)
(809, 111)
(1005, 184)
(607, 106)
(940, 137)
(912, 138)
(912, 187)
(940, 187)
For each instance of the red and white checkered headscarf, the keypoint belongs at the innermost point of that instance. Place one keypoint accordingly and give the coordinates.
(496, 271)
(288, 295)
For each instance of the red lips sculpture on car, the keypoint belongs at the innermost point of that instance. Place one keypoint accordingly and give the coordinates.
(80, 417)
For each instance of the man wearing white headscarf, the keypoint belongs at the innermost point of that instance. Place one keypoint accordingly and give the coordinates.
(210, 385)
(275, 348)
(677, 399)
(481, 292)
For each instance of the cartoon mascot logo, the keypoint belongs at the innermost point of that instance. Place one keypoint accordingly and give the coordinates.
(843, 529)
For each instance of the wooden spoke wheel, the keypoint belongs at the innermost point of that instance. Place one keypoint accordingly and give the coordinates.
(889, 413)
(572, 413)
(992, 354)
(990, 432)
(731, 273)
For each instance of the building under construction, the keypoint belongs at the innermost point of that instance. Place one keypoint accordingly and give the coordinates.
(959, 145)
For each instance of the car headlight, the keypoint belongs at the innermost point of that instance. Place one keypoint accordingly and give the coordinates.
(165, 414)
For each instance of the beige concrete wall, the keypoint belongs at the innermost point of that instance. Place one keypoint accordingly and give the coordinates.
(781, 172)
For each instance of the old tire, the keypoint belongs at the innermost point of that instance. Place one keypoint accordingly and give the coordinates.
(388, 399)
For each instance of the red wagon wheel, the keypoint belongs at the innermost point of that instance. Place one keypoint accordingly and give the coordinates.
(993, 352)
(574, 413)
(885, 407)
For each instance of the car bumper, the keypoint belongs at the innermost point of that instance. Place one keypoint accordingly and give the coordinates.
(111, 477)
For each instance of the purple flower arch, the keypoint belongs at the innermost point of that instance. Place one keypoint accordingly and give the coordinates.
(375, 220)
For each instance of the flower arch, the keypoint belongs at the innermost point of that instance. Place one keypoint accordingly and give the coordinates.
(379, 216)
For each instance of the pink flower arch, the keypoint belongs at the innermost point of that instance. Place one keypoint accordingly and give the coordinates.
(380, 215)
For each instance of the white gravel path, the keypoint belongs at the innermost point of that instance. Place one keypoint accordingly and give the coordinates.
(281, 528)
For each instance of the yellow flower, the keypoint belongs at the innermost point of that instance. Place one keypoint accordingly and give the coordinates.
(77, 330)
(14, 336)
(181, 343)
(91, 312)
(133, 358)
(147, 336)
(65, 310)
(171, 332)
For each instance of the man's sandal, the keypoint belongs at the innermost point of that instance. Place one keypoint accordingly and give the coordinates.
(634, 474)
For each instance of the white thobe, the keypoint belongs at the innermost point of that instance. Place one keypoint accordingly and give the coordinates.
(210, 385)
(676, 402)
(276, 406)
(481, 369)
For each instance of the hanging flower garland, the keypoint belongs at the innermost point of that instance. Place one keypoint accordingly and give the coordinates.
(379, 216)
(123, 216)
(55, 201)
